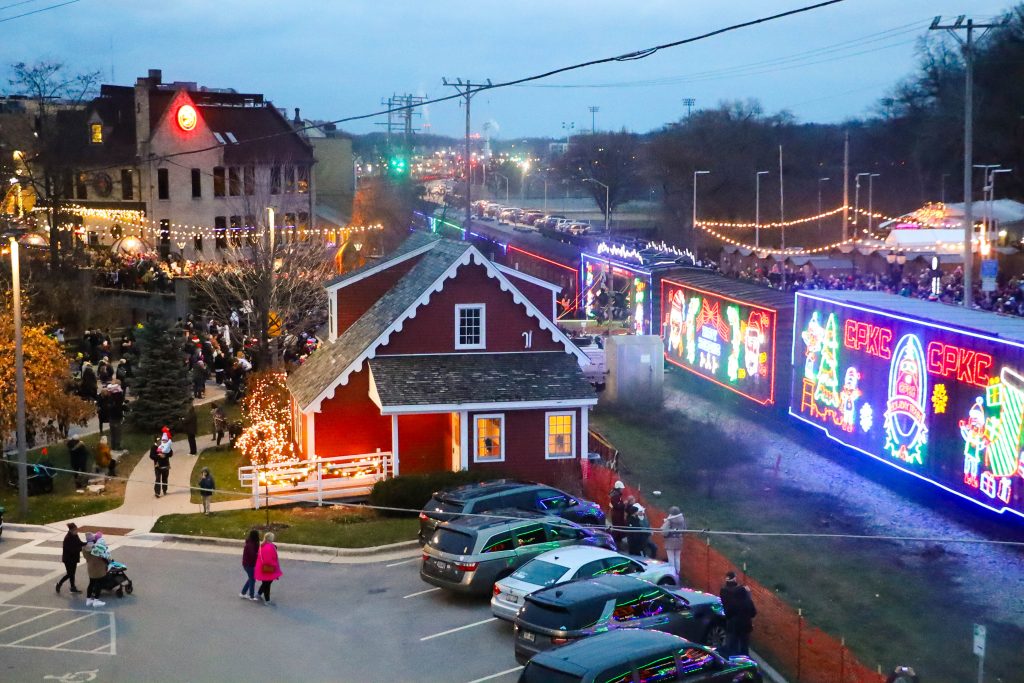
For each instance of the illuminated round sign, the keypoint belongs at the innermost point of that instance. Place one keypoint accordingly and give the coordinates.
(187, 117)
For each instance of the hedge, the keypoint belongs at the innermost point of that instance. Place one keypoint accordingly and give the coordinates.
(412, 491)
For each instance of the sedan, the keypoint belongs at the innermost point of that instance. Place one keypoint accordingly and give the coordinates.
(566, 564)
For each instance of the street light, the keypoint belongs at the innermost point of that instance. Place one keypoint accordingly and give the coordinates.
(19, 382)
(856, 196)
(505, 178)
(695, 174)
(757, 207)
(820, 181)
(871, 189)
(607, 206)
(989, 208)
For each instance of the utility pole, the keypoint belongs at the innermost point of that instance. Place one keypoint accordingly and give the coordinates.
(967, 45)
(820, 181)
(757, 207)
(19, 380)
(593, 118)
(688, 102)
(467, 89)
(846, 186)
(782, 202)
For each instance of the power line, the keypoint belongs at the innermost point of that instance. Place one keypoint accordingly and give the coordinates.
(629, 56)
(15, 4)
(37, 11)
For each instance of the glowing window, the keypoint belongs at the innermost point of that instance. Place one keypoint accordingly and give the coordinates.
(489, 438)
(96, 133)
(470, 326)
(561, 435)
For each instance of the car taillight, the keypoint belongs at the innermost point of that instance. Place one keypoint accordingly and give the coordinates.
(425, 557)
(497, 591)
(559, 641)
(466, 566)
(423, 516)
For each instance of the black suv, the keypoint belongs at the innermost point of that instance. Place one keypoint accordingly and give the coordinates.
(562, 614)
(631, 655)
(505, 493)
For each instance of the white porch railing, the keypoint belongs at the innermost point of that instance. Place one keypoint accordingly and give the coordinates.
(342, 476)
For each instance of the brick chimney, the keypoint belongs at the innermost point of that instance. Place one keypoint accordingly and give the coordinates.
(143, 86)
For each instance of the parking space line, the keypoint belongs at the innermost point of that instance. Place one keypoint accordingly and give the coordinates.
(460, 628)
(52, 628)
(395, 564)
(84, 635)
(497, 675)
(12, 609)
(413, 595)
(38, 616)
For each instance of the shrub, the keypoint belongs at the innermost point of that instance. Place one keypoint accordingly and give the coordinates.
(412, 491)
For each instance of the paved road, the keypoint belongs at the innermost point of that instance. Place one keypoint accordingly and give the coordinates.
(332, 622)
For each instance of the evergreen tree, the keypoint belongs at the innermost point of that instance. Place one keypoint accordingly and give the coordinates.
(826, 389)
(161, 389)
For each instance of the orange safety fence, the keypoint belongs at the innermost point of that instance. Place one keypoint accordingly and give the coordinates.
(803, 652)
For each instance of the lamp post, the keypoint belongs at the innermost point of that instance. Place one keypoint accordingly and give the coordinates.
(526, 169)
(757, 207)
(856, 196)
(820, 181)
(871, 190)
(19, 382)
(990, 208)
(695, 174)
(505, 178)
(607, 206)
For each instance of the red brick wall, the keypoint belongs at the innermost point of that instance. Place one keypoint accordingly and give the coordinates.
(433, 328)
(424, 443)
(349, 423)
(356, 298)
(524, 449)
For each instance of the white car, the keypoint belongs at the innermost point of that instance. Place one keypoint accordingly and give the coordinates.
(573, 562)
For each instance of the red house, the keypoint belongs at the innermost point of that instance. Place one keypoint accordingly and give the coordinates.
(446, 361)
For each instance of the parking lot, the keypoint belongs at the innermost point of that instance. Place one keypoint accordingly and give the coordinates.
(372, 621)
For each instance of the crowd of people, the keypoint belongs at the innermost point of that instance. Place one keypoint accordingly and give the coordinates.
(145, 271)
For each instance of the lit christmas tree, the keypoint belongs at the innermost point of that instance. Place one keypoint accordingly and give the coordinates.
(825, 390)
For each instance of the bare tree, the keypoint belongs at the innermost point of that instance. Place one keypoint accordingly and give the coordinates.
(612, 159)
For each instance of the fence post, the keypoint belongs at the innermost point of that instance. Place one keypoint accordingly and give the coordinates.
(256, 490)
(707, 562)
(799, 639)
(842, 659)
(319, 483)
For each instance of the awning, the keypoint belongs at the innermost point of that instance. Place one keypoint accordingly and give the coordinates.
(478, 381)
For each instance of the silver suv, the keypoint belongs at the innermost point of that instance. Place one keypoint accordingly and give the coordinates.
(470, 553)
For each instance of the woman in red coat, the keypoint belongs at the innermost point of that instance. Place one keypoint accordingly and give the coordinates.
(268, 567)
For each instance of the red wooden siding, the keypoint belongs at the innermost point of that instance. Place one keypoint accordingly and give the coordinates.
(356, 298)
(433, 328)
(350, 423)
(541, 297)
(424, 443)
(524, 448)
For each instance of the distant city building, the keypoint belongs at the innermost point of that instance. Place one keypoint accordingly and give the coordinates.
(191, 169)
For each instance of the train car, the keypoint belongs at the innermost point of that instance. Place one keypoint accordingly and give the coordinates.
(934, 391)
(730, 333)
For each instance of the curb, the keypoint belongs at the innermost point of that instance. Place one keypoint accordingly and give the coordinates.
(291, 547)
(30, 528)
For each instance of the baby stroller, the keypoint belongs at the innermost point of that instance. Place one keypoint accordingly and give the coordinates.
(117, 579)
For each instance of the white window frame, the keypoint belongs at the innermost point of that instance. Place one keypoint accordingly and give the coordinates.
(483, 326)
(547, 434)
(476, 436)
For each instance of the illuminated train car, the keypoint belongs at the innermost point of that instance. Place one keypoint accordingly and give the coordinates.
(727, 332)
(934, 391)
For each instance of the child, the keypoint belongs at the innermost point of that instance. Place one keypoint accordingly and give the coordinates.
(206, 487)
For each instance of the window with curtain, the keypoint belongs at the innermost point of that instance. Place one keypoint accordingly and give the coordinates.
(561, 435)
(489, 437)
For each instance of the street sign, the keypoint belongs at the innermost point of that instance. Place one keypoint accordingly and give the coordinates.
(979, 640)
(989, 272)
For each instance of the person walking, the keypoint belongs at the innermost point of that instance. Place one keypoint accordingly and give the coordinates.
(206, 487)
(268, 566)
(739, 616)
(71, 555)
(618, 512)
(672, 529)
(220, 422)
(249, 555)
(96, 566)
(189, 425)
(160, 453)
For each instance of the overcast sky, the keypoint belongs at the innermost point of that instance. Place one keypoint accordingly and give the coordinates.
(338, 58)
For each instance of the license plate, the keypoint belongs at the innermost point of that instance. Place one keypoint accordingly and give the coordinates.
(512, 598)
(527, 636)
(442, 565)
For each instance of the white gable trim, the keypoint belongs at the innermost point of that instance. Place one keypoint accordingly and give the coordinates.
(380, 267)
(529, 278)
(471, 255)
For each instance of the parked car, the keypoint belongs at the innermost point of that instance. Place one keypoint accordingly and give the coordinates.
(493, 210)
(567, 564)
(506, 493)
(531, 217)
(468, 554)
(577, 228)
(548, 221)
(565, 613)
(632, 655)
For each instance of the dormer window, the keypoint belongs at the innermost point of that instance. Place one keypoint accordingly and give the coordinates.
(470, 326)
(96, 133)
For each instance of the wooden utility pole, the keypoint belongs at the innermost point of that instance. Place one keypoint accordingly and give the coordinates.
(846, 186)
(967, 44)
(467, 89)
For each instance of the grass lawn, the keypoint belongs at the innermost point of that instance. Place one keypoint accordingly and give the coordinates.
(223, 463)
(892, 603)
(327, 526)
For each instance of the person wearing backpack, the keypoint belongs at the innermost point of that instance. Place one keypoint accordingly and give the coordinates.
(672, 532)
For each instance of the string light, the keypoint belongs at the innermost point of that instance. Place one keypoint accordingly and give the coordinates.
(788, 251)
(768, 226)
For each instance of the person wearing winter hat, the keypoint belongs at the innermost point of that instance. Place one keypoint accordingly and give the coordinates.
(71, 555)
(672, 529)
(160, 453)
(97, 570)
(618, 512)
(739, 616)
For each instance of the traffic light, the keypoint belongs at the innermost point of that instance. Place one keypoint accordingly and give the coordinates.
(398, 165)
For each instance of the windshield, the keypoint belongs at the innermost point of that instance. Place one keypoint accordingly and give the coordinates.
(562, 617)
(540, 573)
(451, 541)
(441, 505)
(537, 673)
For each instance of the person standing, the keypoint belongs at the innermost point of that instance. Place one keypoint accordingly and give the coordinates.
(115, 413)
(739, 616)
(249, 555)
(189, 425)
(268, 566)
(220, 422)
(70, 556)
(618, 512)
(78, 454)
(96, 566)
(160, 453)
(639, 530)
(206, 487)
(673, 528)
(103, 457)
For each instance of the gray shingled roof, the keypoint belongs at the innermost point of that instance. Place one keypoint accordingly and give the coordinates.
(411, 243)
(328, 362)
(459, 379)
